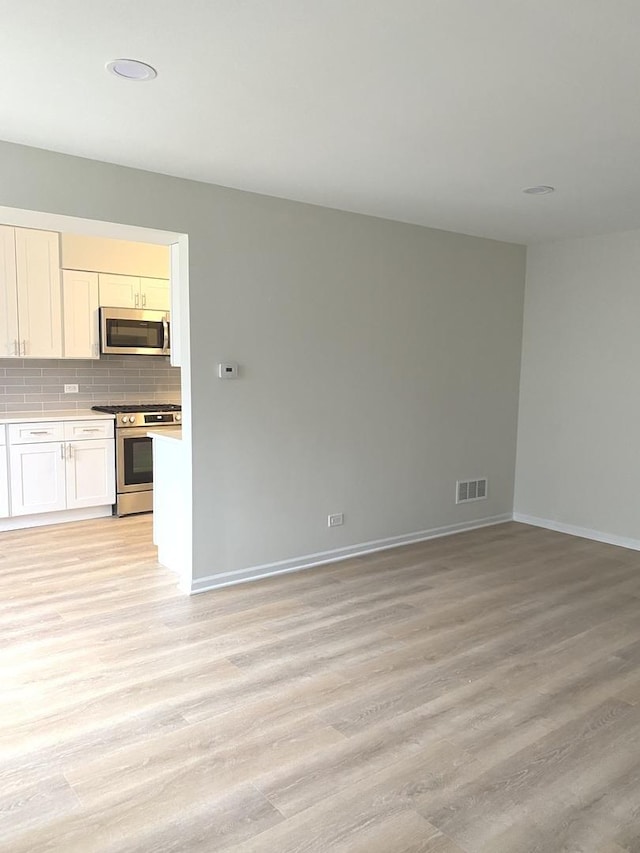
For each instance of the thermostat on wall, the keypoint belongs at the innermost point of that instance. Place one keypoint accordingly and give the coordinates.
(228, 370)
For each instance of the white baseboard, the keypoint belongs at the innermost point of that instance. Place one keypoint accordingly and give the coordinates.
(21, 522)
(323, 557)
(584, 532)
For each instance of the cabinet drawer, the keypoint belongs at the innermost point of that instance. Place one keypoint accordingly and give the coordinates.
(3, 438)
(35, 433)
(78, 430)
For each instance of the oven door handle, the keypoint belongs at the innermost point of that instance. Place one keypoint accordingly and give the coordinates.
(165, 331)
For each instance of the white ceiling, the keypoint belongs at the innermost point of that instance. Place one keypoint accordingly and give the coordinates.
(430, 111)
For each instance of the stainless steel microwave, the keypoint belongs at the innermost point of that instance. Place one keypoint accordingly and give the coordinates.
(135, 331)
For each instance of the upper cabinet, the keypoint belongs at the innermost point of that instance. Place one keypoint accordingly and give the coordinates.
(49, 312)
(120, 257)
(126, 291)
(80, 314)
(9, 335)
(30, 294)
(131, 275)
(154, 294)
(39, 297)
(119, 291)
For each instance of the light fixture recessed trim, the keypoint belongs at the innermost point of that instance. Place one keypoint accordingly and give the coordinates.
(542, 189)
(131, 69)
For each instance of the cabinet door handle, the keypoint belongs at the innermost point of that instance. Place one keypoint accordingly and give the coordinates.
(137, 300)
(16, 348)
(40, 432)
(62, 451)
(91, 429)
(24, 347)
(144, 300)
(70, 446)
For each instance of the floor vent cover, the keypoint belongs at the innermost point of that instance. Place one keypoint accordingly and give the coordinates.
(471, 490)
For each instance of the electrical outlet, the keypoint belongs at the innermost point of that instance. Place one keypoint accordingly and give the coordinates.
(335, 520)
(70, 389)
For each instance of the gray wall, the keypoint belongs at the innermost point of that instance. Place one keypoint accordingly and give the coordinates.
(380, 361)
(36, 385)
(578, 464)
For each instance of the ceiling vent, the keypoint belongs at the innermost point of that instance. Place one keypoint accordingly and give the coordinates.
(471, 490)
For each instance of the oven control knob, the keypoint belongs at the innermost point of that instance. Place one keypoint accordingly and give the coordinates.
(178, 417)
(125, 419)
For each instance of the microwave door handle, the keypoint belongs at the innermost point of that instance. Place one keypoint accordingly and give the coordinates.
(165, 330)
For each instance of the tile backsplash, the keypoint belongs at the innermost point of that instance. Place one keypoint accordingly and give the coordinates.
(37, 385)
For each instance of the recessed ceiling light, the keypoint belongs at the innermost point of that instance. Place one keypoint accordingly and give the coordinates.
(541, 190)
(131, 69)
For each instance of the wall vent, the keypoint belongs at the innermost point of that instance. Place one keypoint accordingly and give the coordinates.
(471, 490)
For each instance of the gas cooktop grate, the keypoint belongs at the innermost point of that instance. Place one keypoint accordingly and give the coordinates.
(140, 407)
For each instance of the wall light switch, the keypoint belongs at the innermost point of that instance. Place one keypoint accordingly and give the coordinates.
(228, 370)
(70, 389)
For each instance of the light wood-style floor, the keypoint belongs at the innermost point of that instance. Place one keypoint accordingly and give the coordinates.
(475, 693)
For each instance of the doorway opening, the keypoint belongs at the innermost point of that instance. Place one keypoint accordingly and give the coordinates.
(175, 549)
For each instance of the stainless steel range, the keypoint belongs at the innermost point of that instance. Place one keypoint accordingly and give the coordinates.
(134, 456)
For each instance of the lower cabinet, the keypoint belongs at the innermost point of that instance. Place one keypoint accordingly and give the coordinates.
(49, 476)
(4, 476)
(90, 473)
(37, 478)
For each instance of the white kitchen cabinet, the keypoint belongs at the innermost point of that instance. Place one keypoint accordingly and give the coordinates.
(81, 430)
(39, 293)
(126, 291)
(80, 314)
(154, 294)
(37, 475)
(8, 293)
(30, 296)
(119, 257)
(36, 432)
(119, 291)
(4, 476)
(60, 465)
(90, 473)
